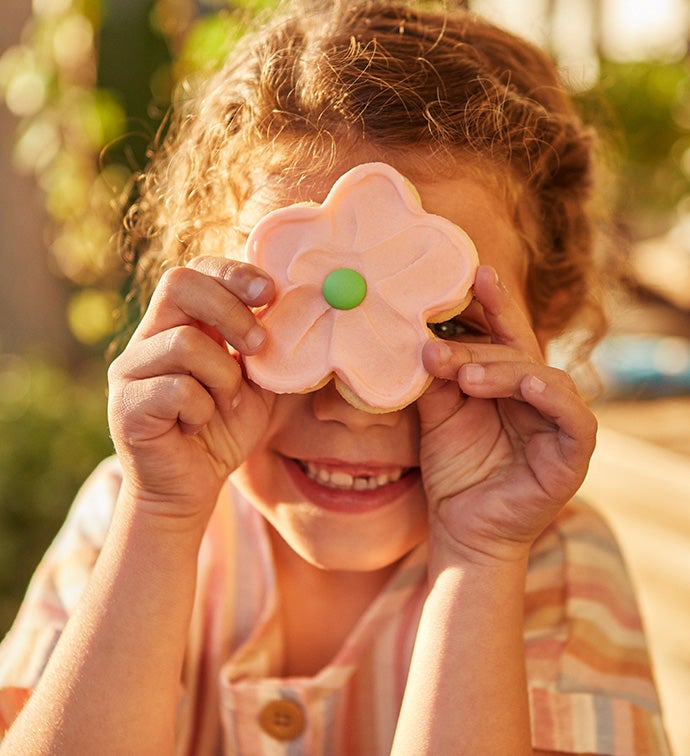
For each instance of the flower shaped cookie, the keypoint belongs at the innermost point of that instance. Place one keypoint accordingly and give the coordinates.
(357, 279)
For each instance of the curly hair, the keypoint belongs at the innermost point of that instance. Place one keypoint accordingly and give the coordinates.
(389, 78)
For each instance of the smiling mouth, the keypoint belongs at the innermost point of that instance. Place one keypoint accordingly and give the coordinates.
(342, 480)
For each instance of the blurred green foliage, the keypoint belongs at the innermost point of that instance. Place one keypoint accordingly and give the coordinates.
(54, 431)
(643, 109)
(90, 82)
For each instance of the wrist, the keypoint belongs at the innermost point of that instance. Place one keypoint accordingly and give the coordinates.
(141, 518)
(164, 511)
(490, 558)
(496, 563)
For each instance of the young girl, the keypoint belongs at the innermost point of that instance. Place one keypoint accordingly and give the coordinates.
(285, 574)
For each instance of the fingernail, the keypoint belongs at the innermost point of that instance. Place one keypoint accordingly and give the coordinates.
(536, 384)
(255, 337)
(475, 373)
(256, 287)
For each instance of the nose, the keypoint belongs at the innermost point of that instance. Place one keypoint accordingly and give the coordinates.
(329, 405)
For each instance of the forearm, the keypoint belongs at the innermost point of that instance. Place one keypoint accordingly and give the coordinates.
(113, 682)
(466, 691)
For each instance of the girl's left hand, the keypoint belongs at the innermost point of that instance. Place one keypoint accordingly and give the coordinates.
(505, 439)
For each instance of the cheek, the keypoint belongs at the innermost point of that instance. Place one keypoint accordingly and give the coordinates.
(257, 480)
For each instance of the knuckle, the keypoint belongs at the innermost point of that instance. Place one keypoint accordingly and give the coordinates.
(182, 389)
(188, 397)
(214, 265)
(182, 340)
(173, 279)
(115, 370)
(197, 263)
(568, 382)
(130, 399)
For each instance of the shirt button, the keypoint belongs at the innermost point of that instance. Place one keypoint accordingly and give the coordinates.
(282, 720)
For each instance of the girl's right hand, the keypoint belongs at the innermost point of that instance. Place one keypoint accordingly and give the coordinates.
(182, 416)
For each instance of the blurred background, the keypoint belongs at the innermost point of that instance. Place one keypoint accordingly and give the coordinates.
(85, 85)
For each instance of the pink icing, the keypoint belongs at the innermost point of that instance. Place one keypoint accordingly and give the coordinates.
(417, 267)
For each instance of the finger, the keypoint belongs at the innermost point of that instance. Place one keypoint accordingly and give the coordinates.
(507, 320)
(251, 284)
(186, 296)
(560, 459)
(565, 407)
(184, 350)
(444, 359)
(502, 380)
(162, 402)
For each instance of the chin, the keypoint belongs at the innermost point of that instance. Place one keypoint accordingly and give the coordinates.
(342, 548)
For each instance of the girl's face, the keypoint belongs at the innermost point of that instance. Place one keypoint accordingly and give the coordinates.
(342, 486)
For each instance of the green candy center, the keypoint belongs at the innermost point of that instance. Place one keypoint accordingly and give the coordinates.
(344, 289)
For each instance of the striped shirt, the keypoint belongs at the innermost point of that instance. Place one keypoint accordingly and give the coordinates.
(591, 688)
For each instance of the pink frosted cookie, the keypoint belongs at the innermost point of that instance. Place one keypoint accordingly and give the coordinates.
(357, 279)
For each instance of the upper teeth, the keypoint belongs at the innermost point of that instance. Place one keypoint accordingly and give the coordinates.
(348, 482)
